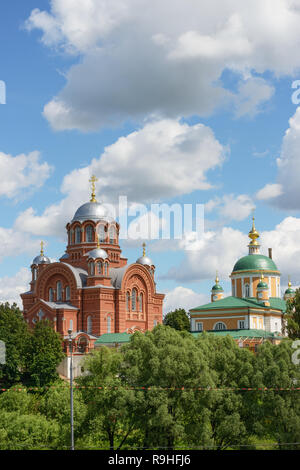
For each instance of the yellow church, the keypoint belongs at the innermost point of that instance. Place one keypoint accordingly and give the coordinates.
(255, 310)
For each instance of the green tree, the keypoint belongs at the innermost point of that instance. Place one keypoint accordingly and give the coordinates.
(55, 406)
(292, 316)
(276, 413)
(178, 319)
(215, 419)
(27, 432)
(22, 427)
(14, 333)
(43, 355)
(168, 364)
(111, 406)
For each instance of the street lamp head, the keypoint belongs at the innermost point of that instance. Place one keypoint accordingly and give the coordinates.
(69, 332)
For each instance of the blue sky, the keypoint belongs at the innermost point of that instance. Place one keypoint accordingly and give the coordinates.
(91, 87)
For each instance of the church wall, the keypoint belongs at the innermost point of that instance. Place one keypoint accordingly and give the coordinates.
(231, 321)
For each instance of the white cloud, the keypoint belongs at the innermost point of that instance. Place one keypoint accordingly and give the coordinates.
(22, 172)
(231, 207)
(162, 160)
(285, 193)
(15, 242)
(219, 250)
(138, 59)
(182, 297)
(253, 92)
(269, 191)
(215, 251)
(12, 287)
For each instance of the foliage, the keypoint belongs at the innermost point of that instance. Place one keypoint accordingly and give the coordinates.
(111, 410)
(292, 316)
(178, 319)
(14, 332)
(43, 355)
(164, 389)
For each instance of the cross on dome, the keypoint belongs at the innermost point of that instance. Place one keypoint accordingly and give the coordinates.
(93, 180)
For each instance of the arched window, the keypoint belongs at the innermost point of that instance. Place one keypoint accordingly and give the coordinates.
(89, 324)
(68, 293)
(220, 326)
(108, 325)
(71, 325)
(89, 234)
(100, 267)
(141, 302)
(92, 268)
(34, 274)
(51, 298)
(112, 234)
(77, 235)
(134, 295)
(247, 290)
(58, 291)
(105, 269)
(127, 301)
(101, 233)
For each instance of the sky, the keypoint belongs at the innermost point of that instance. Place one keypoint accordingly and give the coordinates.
(174, 102)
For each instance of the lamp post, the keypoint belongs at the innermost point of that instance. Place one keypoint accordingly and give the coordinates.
(71, 388)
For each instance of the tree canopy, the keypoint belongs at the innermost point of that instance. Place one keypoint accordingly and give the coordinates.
(178, 319)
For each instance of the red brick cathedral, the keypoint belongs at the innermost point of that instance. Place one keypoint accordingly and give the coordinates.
(92, 290)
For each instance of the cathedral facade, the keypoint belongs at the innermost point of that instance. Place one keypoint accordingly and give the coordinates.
(92, 290)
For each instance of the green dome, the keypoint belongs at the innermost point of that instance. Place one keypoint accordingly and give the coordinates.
(255, 262)
(290, 291)
(218, 288)
(262, 285)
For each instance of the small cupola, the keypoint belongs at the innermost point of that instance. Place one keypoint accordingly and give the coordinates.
(145, 260)
(217, 292)
(290, 292)
(262, 291)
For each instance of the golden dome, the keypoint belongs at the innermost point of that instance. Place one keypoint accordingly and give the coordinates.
(253, 234)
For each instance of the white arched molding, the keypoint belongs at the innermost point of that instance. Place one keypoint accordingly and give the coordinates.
(220, 326)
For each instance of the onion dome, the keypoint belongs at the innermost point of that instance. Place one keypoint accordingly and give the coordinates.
(97, 252)
(253, 234)
(92, 210)
(217, 287)
(262, 284)
(41, 258)
(144, 260)
(289, 290)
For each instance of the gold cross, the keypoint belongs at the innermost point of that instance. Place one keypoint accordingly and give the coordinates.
(42, 248)
(144, 249)
(93, 181)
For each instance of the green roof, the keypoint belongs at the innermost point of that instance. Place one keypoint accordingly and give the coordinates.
(255, 262)
(237, 302)
(110, 338)
(277, 303)
(235, 334)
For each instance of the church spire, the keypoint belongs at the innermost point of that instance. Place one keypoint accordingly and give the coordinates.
(42, 248)
(144, 249)
(93, 180)
(253, 235)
